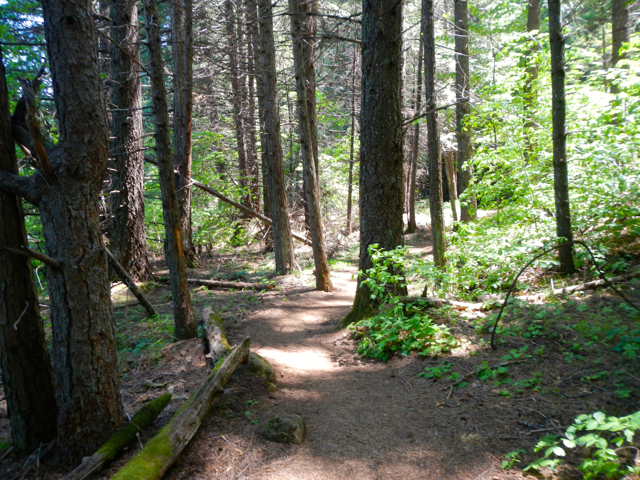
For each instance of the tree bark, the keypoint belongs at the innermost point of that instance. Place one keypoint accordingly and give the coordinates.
(67, 193)
(619, 33)
(164, 449)
(127, 236)
(283, 246)
(463, 107)
(185, 325)
(303, 29)
(26, 369)
(381, 156)
(252, 17)
(558, 109)
(531, 75)
(453, 180)
(352, 140)
(433, 140)
(182, 56)
(415, 147)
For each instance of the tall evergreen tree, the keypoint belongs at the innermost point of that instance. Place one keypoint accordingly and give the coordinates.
(381, 139)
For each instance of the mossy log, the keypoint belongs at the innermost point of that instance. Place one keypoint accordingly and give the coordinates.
(215, 340)
(164, 449)
(222, 284)
(120, 440)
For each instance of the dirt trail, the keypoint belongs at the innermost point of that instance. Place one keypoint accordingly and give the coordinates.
(365, 419)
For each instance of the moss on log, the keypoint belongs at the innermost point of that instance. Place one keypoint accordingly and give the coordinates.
(164, 449)
(120, 440)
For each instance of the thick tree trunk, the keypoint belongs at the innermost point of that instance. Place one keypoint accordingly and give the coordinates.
(185, 325)
(415, 147)
(531, 75)
(303, 29)
(283, 246)
(67, 192)
(352, 137)
(182, 56)
(558, 106)
(26, 369)
(433, 140)
(381, 173)
(463, 107)
(127, 236)
(619, 33)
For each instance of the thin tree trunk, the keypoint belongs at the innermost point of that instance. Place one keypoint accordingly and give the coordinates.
(463, 107)
(558, 106)
(411, 224)
(27, 377)
(433, 140)
(531, 75)
(185, 326)
(352, 139)
(303, 31)
(238, 91)
(252, 8)
(252, 148)
(283, 246)
(182, 56)
(381, 172)
(128, 237)
(453, 188)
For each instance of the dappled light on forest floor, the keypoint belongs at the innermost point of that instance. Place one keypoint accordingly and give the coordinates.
(302, 360)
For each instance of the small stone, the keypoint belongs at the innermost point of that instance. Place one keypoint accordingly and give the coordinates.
(272, 387)
(261, 367)
(285, 428)
(403, 433)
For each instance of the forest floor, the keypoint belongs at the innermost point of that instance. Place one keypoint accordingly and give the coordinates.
(368, 419)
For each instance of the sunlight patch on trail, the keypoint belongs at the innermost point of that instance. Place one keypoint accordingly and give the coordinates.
(305, 360)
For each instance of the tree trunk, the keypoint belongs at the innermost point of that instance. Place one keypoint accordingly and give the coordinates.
(182, 56)
(531, 75)
(67, 192)
(453, 180)
(252, 17)
(381, 172)
(433, 140)
(463, 107)
(413, 168)
(352, 140)
(240, 95)
(127, 236)
(185, 325)
(283, 246)
(558, 107)
(619, 33)
(303, 29)
(26, 369)
(252, 149)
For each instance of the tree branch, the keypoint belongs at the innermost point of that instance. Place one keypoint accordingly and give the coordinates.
(27, 252)
(21, 186)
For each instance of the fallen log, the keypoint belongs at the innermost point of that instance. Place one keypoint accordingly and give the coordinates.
(157, 456)
(222, 284)
(215, 341)
(128, 281)
(120, 440)
(245, 209)
(439, 302)
(594, 284)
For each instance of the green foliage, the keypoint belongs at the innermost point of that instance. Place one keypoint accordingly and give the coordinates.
(394, 329)
(596, 435)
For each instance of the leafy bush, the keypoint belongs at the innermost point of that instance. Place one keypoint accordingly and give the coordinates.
(600, 458)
